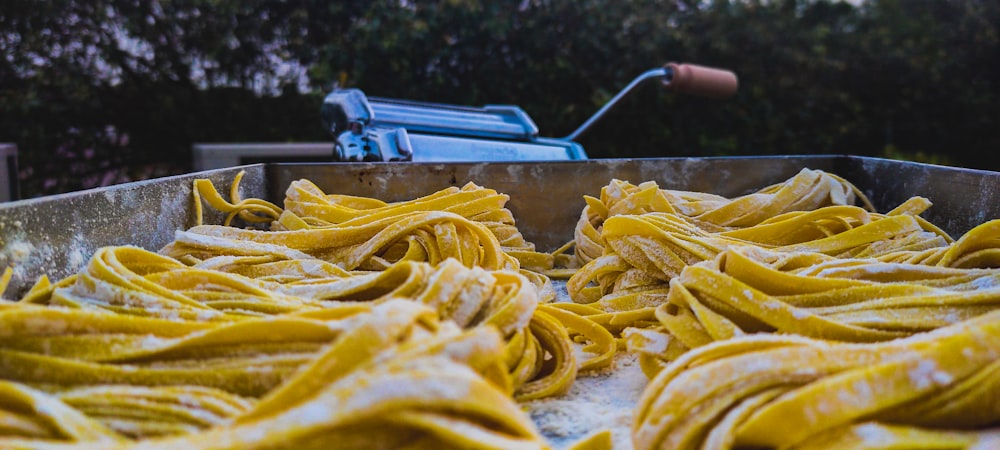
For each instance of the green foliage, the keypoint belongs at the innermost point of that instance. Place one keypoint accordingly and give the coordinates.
(102, 91)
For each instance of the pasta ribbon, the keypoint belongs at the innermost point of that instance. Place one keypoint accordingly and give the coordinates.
(420, 236)
(808, 190)
(143, 412)
(252, 210)
(393, 367)
(749, 290)
(643, 251)
(135, 282)
(309, 207)
(771, 391)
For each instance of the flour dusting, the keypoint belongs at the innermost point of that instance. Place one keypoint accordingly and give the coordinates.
(597, 400)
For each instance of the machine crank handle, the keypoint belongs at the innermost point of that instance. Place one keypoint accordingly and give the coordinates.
(681, 78)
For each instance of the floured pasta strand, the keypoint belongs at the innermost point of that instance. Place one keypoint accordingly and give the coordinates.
(30, 417)
(654, 248)
(133, 281)
(542, 360)
(979, 248)
(646, 251)
(130, 280)
(45, 346)
(251, 210)
(424, 385)
(5, 278)
(618, 197)
(270, 268)
(376, 238)
(748, 290)
(775, 391)
(307, 206)
(149, 282)
(296, 275)
(394, 368)
(808, 190)
(880, 436)
(319, 211)
(150, 411)
(466, 296)
(418, 236)
(597, 338)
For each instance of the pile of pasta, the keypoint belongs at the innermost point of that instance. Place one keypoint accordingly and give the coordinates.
(333, 320)
(792, 318)
(365, 376)
(795, 316)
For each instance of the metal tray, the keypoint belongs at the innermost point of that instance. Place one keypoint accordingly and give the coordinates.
(56, 235)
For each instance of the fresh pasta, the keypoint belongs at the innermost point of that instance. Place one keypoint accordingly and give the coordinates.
(389, 366)
(747, 290)
(771, 391)
(807, 190)
(768, 320)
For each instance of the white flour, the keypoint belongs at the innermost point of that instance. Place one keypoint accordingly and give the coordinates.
(596, 401)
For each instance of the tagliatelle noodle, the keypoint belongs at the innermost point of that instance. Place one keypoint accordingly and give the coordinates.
(311, 209)
(245, 358)
(977, 248)
(797, 388)
(307, 206)
(150, 376)
(129, 280)
(252, 210)
(393, 367)
(133, 281)
(5, 278)
(807, 190)
(886, 436)
(671, 276)
(148, 411)
(749, 290)
(424, 236)
(646, 251)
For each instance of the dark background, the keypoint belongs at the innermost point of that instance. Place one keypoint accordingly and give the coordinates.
(107, 91)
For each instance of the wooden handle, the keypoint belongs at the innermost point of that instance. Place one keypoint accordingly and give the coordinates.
(700, 80)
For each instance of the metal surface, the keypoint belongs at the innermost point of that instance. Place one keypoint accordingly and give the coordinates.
(490, 121)
(231, 154)
(56, 235)
(452, 149)
(9, 187)
(387, 130)
(962, 198)
(346, 110)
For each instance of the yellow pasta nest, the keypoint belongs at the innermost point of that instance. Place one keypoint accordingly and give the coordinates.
(227, 330)
(931, 390)
(296, 381)
(748, 316)
(470, 224)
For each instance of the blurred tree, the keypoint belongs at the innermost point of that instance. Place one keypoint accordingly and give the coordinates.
(105, 91)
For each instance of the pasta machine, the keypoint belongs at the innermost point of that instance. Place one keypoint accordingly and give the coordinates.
(380, 129)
